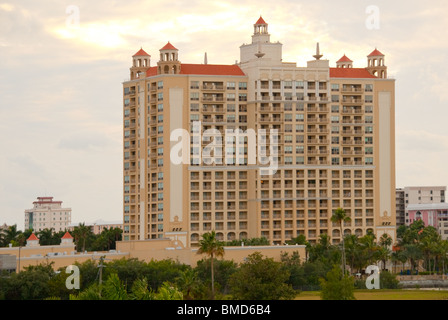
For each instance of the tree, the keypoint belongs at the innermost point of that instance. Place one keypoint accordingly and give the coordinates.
(11, 235)
(337, 286)
(210, 246)
(260, 278)
(384, 252)
(339, 216)
(81, 234)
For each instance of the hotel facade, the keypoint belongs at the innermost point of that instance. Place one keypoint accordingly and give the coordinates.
(330, 131)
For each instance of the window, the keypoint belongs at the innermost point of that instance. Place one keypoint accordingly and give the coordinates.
(194, 85)
(299, 84)
(369, 150)
(369, 130)
(300, 149)
(288, 160)
(300, 117)
(369, 109)
(334, 119)
(369, 87)
(242, 86)
(335, 161)
(335, 150)
(231, 97)
(287, 84)
(160, 96)
(288, 149)
(160, 85)
(300, 128)
(194, 117)
(334, 129)
(369, 99)
(335, 109)
(243, 97)
(194, 107)
(334, 98)
(334, 87)
(230, 85)
(230, 108)
(369, 161)
(288, 117)
(194, 96)
(127, 102)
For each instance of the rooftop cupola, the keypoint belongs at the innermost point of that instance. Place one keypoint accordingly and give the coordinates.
(169, 60)
(141, 62)
(376, 65)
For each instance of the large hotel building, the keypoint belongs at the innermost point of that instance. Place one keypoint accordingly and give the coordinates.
(334, 142)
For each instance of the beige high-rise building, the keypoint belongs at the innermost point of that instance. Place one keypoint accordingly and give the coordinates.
(47, 214)
(330, 143)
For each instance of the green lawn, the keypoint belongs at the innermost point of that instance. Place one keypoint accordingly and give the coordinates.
(385, 295)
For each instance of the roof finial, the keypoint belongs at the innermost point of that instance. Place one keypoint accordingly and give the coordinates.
(317, 56)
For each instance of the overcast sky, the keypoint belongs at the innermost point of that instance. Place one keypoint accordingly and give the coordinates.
(62, 64)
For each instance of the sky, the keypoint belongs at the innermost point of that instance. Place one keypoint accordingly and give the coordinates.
(62, 64)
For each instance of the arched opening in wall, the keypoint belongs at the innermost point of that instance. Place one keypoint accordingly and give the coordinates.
(174, 70)
(383, 74)
(166, 69)
(173, 56)
(231, 236)
(167, 57)
(336, 233)
(139, 62)
(347, 232)
(358, 232)
(194, 237)
(219, 236)
(243, 235)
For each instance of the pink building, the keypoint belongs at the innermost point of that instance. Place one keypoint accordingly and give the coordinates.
(432, 214)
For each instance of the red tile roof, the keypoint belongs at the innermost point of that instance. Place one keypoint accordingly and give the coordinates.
(260, 21)
(67, 235)
(168, 46)
(353, 73)
(375, 53)
(32, 237)
(204, 69)
(345, 59)
(211, 69)
(141, 52)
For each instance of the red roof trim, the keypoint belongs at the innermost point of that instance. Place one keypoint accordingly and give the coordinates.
(32, 237)
(67, 235)
(204, 69)
(375, 53)
(141, 52)
(169, 46)
(261, 21)
(353, 73)
(344, 59)
(211, 69)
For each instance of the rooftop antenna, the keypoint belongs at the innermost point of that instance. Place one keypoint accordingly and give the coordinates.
(317, 56)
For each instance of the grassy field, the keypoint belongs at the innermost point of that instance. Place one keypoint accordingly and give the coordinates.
(385, 295)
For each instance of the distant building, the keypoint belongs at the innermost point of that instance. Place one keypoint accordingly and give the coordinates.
(407, 196)
(99, 225)
(47, 214)
(432, 214)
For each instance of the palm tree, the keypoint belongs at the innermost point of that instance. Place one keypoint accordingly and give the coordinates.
(11, 234)
(210, 246)
(339, 216)
(81, 233)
